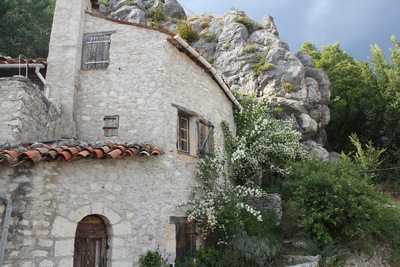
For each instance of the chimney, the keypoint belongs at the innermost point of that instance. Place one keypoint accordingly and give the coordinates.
(64, 60)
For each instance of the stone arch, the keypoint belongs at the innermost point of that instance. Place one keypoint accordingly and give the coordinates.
(92, 245)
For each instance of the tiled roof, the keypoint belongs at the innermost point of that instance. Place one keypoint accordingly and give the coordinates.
(10, 60)
(70, 151)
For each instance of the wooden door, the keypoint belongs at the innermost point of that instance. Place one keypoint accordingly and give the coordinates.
(91, 243)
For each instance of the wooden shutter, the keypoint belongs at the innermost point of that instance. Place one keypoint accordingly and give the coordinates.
(96, 50)
(205, 133)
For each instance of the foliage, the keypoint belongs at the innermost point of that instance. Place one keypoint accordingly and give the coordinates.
(264, 146)
(157, 15)
(246, 21)
(185, 30)
(365, 101)
(340, 205)
(250, 48)
(230, 216)
(367, 157)
(288, 87)
(209, 37)
(209, 169)
(25, 27)
(225, 211)
(152, 259)
(221, 257)
(262, 67)
(105, 2)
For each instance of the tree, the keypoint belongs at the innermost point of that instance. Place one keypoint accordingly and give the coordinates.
(365, 99)
(356, 104)
(25, 27)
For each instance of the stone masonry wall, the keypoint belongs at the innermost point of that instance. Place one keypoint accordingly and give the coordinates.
(136, 196)
(26, 114)
(145, 78)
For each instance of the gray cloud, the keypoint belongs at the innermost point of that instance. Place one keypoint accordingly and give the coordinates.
(356, 24)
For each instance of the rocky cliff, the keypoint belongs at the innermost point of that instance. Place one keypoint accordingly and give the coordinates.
(252, 58)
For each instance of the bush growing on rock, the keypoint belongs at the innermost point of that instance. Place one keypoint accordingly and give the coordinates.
(246, 21)
(262, 67)
(209, 37)
(250, 48)
(157, 15)
(186, 31)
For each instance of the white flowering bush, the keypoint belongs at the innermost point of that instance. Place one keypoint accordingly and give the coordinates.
(226, 211)
(264, 146)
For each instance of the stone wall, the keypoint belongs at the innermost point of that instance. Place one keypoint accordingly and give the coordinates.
(27, 116)
(136, 196)
(146, 79)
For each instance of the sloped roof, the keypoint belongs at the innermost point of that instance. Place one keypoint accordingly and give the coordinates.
(71, 150)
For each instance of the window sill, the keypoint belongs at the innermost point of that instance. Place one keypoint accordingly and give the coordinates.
(187, 154)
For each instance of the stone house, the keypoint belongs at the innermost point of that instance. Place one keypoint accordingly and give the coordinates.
(96, 161)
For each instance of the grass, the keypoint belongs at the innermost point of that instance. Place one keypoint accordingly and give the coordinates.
(288, 87)
(246, 21)
(262, 67)
(157, 15)
(250, 48)
(186, 31)
(209, 37)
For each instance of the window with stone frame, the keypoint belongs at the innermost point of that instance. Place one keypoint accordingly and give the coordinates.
(205, 133)
(183, 142)
(111, 125)
(96, 50)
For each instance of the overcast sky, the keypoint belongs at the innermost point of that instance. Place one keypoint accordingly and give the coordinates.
(356, 24)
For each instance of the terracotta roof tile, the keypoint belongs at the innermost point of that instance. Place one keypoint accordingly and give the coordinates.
(72, 150)
(10, 60)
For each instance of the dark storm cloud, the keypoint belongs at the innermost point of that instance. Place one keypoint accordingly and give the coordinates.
(356, 24)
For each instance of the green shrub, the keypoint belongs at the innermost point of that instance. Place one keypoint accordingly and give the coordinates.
(209, 37)
(246, 21)
(288, 87)
(185, 30)
(152, 259)
(366, 156)
(250, 48)
(157, 15)
(262, 67)
(341, 206)
(104, 2)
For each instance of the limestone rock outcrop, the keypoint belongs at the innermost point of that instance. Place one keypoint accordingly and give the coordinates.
(145, 11)
(253, 60)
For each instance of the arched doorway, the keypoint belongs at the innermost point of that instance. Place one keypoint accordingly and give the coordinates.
(91, 243)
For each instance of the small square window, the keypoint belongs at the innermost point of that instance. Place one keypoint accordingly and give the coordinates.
(111, 125)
